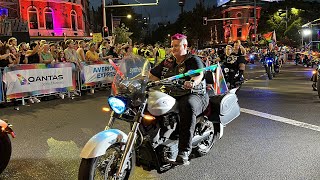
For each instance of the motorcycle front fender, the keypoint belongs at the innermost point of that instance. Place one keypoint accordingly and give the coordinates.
(100, 142)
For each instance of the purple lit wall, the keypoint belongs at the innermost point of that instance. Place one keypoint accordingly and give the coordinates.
(61, 17)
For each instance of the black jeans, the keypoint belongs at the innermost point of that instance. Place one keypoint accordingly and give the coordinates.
(190, 106)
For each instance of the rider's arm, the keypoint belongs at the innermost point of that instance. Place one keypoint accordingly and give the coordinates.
(197, 79)
(156, 72)
(195, 63)
(243, 50)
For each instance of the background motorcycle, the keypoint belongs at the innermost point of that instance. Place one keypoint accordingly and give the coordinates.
(316, 80)
(5, 144)
(271, 66)
(153, 139)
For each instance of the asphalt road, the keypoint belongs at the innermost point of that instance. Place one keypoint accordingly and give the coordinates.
(51, 134)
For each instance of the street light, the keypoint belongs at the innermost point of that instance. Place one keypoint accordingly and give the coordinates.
(306, 32)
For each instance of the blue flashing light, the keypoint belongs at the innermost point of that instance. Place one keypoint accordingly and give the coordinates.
(117, 105)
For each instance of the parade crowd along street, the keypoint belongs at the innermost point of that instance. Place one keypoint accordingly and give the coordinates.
(89, 63)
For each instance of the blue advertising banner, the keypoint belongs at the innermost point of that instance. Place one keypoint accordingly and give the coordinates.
(1, 89)
(221, 2)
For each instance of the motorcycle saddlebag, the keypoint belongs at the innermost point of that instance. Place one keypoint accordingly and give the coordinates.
(224, 108)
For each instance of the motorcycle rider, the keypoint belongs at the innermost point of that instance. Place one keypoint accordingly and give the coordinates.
(240, 52)
(192, 99)
(271, 53)
(229, 60)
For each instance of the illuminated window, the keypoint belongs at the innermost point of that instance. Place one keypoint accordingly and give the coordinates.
(239, 32)
(48, 16)
(33, 18)
(74, 20)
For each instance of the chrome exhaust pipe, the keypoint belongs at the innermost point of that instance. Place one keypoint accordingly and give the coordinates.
(197, 139)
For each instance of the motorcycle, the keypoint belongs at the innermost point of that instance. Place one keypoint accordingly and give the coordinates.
(272, 67)
(5, 144)
(316, 80)
(153, 140)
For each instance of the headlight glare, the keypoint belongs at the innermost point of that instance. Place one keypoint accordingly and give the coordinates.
(118, 105)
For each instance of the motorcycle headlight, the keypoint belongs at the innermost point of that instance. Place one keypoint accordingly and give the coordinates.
(269, 60)
(118, 105)
(251, 56)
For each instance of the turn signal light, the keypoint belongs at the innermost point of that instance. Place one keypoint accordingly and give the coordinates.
(106, 109)
(149, 117)
(314, 72)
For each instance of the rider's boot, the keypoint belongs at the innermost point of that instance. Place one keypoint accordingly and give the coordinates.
(183, 158)
(314, 86)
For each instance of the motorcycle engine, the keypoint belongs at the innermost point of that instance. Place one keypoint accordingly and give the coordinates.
(168, 151)
(161, 129)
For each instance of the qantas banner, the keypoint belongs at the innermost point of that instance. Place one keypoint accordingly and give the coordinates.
(37, 79)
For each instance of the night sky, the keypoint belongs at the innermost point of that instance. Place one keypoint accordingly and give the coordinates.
(167, 10)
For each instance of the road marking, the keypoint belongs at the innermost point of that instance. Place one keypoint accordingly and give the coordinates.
(281, 119)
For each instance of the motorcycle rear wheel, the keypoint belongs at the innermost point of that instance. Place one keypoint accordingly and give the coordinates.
(204, 147)
(95, 168)
(5, 151)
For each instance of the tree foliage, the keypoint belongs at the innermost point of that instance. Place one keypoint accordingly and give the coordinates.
(122, 34)
(273, 17)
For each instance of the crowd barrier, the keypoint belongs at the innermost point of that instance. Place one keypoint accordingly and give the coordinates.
(30, 80)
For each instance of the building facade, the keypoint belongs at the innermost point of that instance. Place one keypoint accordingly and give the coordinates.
(55, 17)
(240, 23)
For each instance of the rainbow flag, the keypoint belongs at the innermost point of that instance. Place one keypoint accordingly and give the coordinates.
(220, 85)
(270, 36)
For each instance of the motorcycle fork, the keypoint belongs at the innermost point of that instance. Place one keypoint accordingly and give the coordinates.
(131, 140)
(111, 121)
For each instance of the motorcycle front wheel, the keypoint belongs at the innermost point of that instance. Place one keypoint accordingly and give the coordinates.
(106, 166)
(5, 151)
(269, 72)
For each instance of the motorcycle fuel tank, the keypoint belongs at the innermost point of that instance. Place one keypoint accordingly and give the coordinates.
(160, 103)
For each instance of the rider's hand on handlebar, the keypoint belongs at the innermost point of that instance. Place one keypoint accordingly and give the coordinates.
(188, 85)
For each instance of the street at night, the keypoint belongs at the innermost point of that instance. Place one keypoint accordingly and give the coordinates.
(272, 139)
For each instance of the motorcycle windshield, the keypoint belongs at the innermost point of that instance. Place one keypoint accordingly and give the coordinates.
(131, 77)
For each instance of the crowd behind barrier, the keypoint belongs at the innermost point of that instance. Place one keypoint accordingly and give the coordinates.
(84, 65)
(29, 80)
